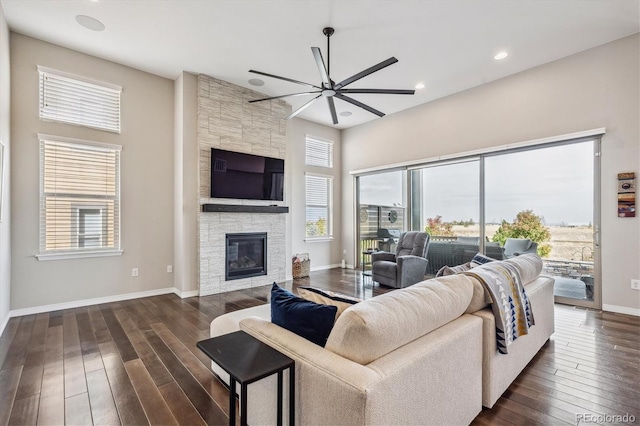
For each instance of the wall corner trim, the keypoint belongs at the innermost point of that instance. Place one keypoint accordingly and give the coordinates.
(184, 294)
(4, 323)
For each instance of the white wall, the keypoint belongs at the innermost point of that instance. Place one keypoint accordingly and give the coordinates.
(185, 205)
(595, 88)
(146, 181)
(5, 226)
(321, 253)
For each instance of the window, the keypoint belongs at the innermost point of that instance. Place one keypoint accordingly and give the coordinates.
(319, 205)
(319, 190)
(79, 198)
(90, 226)
(78, 101)
(318, 152)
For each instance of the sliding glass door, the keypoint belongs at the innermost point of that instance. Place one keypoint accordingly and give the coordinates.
(545, 197)
(445, 203)
(381, 211)
(541, 199)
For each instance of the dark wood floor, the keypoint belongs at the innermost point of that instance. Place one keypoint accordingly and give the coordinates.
(136, 362)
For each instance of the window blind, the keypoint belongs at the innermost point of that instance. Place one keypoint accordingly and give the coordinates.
(74, 101)
(79, 196)
(319, 206)
(318, 152)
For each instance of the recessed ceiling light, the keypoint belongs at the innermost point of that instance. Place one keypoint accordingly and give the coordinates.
(90, 23)
(345, 113)
(501, 55)
(420, 86)
(256, 82)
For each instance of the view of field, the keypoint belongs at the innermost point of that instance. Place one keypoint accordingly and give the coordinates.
(567, 242)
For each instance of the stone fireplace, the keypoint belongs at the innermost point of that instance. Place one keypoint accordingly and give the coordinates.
(226, 120)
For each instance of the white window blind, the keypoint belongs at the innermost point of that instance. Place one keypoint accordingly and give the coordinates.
(319, 206)
(76, 101)
(79, 196)
(318, 152)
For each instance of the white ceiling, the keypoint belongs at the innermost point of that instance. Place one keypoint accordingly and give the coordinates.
(448, 45)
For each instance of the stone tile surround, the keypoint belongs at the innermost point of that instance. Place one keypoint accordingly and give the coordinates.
(214, 226)
(226, 120)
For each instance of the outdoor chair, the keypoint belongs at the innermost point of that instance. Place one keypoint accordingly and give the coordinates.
(407, 266)
(517, 246)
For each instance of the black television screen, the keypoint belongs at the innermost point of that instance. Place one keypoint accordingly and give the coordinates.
(246, 176)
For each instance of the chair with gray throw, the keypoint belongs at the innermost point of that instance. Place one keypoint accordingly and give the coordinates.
(518, 246)
(407, 266)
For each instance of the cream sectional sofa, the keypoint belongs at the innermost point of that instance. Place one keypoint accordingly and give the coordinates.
(423, 355)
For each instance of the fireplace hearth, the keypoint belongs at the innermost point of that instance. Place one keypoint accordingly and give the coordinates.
(246, 255)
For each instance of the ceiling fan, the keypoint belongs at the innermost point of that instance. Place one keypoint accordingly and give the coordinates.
(330, 89)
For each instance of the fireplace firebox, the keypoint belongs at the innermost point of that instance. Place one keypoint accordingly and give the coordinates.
(246, 255)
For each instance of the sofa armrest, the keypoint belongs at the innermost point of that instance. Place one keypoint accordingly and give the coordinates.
(333, 385)
(382, 255)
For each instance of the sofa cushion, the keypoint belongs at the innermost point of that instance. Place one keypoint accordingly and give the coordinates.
(450, 270)
(326, 297)
(377, 326)
(307, 319)
(528, 265)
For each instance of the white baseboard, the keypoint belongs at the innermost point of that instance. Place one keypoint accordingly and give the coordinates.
(89, 302)
(322, 268)
(184, 294)
(621, 310)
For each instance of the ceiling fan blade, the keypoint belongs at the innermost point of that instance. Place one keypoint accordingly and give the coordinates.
(332, 108)
(382, 91)
(302, 108)
(284, 96)
(285, 79)
(366, 72)
(359, 104)
(317, 54)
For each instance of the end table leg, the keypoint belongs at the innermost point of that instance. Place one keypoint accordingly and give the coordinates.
(292, 395)
(280, 402)
(243, 404)
(232, 401)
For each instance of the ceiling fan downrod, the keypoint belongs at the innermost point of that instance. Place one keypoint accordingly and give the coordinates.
(328, 31)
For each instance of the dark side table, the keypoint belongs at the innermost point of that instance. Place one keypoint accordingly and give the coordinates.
(248, 360)
(366, 260)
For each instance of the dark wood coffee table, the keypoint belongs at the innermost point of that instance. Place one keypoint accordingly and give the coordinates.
(248, 360)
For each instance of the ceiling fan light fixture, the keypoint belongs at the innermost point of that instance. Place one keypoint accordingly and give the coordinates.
(501, 55)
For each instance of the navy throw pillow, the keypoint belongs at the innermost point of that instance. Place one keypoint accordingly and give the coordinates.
(307, 319)
(480, 259)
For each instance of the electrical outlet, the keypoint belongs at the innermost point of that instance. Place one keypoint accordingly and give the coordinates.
(635, 284)
(134, 272)
(169, 269)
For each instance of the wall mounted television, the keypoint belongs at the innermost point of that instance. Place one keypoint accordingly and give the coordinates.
(246, 176)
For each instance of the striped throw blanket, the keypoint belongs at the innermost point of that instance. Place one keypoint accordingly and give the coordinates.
(510, 304)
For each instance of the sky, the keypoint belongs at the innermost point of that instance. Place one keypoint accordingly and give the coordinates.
(556, 183)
